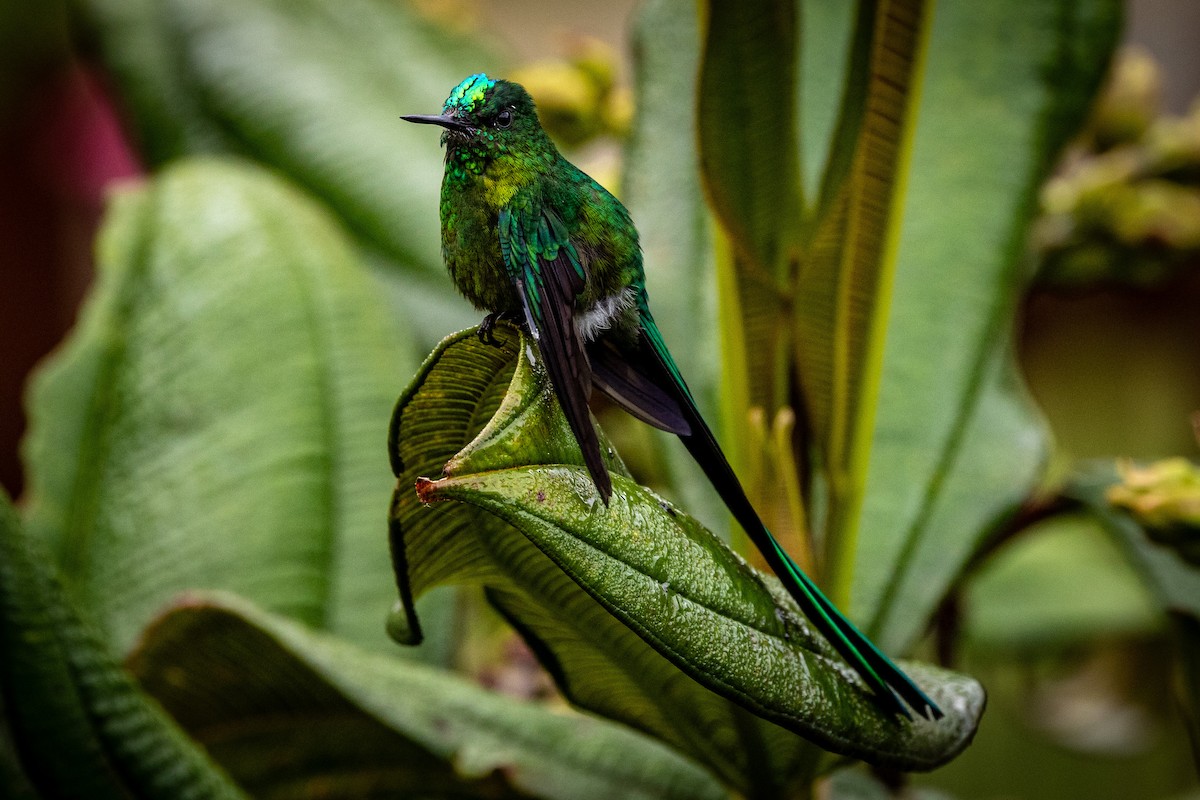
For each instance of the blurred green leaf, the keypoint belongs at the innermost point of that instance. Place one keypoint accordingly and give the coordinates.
(686, 602)
(1062, 583)
(293, 713)
(314, 90)
(133, 40)
(80, 726)
(956, 445)
(1174, 582)
(216, 419)
(858, 784)
(1164, 498)
(1002, 438)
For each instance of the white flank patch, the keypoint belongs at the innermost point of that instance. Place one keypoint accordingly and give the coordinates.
(599, 317)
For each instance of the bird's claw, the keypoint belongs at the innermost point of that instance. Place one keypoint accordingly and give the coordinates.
(489, 323)
(485, 330)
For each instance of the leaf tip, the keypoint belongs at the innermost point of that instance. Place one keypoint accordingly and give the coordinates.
(426, 489)
(403, 627)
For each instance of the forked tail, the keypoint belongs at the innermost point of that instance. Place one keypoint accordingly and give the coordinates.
(891, 687)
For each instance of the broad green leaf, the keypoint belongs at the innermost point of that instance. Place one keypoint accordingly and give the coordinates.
(695, 601)
(293, 713)
(216, 419)
(81, 726)
(956, 446)
(1002, 440)
(638, 612)
(314, 90)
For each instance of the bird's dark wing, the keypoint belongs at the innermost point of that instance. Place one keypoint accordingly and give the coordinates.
(545, 267)
(628, 377)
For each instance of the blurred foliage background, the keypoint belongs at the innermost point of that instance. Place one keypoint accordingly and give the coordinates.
(1056, 621)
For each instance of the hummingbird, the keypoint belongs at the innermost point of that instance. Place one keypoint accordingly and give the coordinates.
(528, 236)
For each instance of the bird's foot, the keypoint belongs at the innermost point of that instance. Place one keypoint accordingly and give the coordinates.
(489, 322)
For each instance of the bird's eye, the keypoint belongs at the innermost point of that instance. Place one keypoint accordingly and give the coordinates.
(504, 119)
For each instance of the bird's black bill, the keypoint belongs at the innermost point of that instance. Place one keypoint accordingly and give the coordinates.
(434, 119)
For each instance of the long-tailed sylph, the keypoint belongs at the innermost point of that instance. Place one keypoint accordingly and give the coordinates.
(527, 235)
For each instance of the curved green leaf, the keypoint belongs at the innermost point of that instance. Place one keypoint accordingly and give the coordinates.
(1174, 582)
(80, 726)
(690, 608)
(215, 419)
(956, 445)
(292, 713)
(693, 600)
(597, 662)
